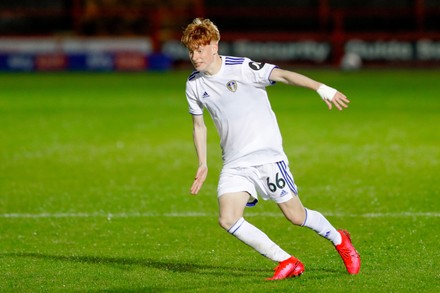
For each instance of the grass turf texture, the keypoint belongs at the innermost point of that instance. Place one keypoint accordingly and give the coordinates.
(95, 172)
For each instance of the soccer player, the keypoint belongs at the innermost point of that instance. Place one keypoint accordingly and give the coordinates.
(233, 90)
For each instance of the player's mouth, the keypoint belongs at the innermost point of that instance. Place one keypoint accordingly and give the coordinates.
(197, 64)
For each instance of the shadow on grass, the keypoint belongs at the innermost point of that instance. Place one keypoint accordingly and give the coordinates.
(171, 265)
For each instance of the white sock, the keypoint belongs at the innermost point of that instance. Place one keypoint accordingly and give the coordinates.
(258, 240)
(318, 223)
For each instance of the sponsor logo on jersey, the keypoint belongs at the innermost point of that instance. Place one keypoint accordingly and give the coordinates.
(205, 95)
(256, 65)
(232, 85)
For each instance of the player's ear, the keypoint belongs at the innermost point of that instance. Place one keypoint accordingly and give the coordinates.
(214, 46)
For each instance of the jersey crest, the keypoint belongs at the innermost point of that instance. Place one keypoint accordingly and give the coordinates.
(232, 85)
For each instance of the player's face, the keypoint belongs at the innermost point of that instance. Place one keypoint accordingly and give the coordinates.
(203, 57)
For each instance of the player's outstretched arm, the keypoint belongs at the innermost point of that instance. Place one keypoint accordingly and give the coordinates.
(199, 136)
(329, 95)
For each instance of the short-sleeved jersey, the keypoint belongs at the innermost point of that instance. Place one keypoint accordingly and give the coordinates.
(237, 101)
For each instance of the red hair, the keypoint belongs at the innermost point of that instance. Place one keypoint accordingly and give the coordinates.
(200, 33)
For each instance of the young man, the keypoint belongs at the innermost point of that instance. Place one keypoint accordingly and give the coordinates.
(233, 90)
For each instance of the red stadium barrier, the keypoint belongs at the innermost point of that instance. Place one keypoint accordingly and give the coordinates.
(304, 32)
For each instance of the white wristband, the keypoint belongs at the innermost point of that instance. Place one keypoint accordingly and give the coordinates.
(326, 92)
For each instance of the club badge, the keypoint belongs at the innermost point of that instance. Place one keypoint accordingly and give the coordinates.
(232, 85)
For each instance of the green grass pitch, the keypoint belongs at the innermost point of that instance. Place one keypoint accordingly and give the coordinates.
(95, 171)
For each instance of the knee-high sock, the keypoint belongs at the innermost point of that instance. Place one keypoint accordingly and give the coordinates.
(318, 223)
(258, 240)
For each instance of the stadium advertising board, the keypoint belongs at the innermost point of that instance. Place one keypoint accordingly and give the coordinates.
(420, 50)
(136, 54)
(322, 52)
(52, 54)
(308, 50)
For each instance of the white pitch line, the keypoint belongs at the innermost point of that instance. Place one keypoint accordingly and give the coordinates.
(201, 214)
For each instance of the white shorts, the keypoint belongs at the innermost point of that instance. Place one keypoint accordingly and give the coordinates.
(271, 181)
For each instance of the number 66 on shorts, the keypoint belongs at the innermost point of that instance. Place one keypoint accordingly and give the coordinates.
(272, 181)
(280, 182)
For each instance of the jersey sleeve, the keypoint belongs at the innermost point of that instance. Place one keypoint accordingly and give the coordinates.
(195, 107)
(259, 72)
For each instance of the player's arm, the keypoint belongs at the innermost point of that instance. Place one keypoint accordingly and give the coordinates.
(329, 95)
(199, 136)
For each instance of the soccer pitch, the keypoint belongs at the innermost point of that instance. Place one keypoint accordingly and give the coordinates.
(95, 171)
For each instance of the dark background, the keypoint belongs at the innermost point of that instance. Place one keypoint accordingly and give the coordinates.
(148, 17)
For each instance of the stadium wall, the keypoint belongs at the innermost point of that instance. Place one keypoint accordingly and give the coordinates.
(144, 35)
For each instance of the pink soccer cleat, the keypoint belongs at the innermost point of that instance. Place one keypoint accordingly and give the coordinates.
(348, 253)
(288, 268)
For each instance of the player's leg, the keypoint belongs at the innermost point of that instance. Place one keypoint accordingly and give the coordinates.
(298, 215)
(231, 219)
(231, 208)
(295, 212)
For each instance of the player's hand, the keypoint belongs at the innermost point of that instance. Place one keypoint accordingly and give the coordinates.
(201, 174)
(339, 100)
(332, 97)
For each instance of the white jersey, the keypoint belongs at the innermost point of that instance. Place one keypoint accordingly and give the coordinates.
(237, 100)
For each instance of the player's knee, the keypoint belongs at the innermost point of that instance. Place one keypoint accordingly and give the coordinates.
(294, 211)
(226, 222)
(296, 218)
